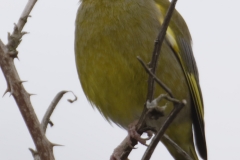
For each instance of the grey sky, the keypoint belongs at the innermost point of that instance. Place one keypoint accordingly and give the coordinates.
(47, 63)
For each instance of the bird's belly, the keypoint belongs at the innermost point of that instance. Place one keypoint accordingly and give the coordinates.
(112, 78)
(117, 84)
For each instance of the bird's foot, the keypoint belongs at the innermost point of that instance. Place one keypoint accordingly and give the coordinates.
(155, 112)
(131, 138)
(132, 133)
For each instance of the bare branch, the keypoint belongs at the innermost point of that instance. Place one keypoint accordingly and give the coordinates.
(178, 149)
(157, 48)
(159, 82)
(46, 118)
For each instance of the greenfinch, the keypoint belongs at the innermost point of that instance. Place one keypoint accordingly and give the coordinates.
(109, 35)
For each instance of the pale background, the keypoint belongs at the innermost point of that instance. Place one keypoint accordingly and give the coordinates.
(46, 61)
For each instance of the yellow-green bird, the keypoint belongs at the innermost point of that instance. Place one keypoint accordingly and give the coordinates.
(109, 35)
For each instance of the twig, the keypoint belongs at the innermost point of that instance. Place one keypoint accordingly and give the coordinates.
(178, 149)
(160, 133)
(15, 87)
(26, 13)
(155, 55)
(57, 98)
(46, 118)
(157, 48)
(153, 63)
(159, 82)
(177, 106)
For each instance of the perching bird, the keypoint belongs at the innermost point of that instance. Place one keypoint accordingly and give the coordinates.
(109, 35)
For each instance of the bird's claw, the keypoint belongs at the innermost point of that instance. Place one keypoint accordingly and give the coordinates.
(132, 132)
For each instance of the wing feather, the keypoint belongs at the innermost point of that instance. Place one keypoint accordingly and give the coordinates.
(179, 40)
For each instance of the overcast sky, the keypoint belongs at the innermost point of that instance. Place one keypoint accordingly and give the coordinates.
(46, 61)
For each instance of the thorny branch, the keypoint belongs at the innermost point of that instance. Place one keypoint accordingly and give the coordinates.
(14, 85)
(22, 99)
(7, 54)
(14, 39)
(178, 149)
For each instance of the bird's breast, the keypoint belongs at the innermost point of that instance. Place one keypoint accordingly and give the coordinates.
(108, 38)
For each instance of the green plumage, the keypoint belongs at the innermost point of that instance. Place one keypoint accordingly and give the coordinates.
(109, 36)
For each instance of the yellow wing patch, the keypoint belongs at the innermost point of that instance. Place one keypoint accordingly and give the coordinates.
(191, 79)
(169, 34)
(195, 92)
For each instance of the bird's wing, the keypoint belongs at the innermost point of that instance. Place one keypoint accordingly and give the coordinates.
(179, 40)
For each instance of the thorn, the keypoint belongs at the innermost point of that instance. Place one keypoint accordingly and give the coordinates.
(23, 33)
(34, 153)
(51, 123)
(54, 144)
(7, 90)
(21, 82)
(17, 58)
(15, 27)
(30, 94)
